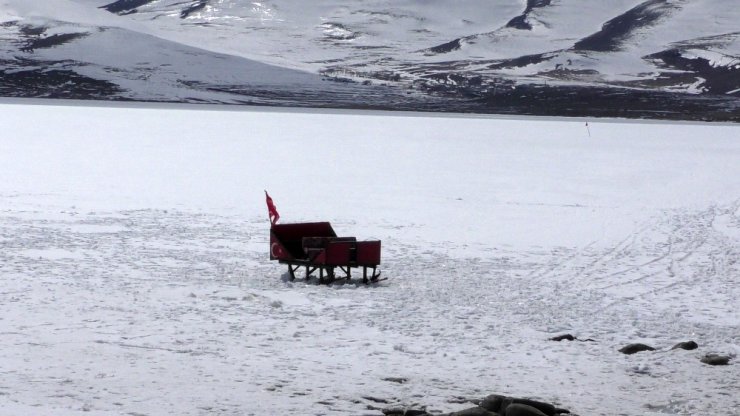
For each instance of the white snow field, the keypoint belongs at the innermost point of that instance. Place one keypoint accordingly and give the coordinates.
(135, 277)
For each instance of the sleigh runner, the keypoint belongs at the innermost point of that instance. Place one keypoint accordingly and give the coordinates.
(316, 247)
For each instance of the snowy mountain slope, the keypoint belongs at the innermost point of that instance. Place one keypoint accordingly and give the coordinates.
(46, 58)
(618, 51)
(470, 53)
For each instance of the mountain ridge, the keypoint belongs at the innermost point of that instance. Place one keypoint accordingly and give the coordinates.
(630, 47)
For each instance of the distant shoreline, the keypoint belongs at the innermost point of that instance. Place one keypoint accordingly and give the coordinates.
(155, 105)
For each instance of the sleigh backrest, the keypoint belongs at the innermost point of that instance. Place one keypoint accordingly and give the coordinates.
(291, 236)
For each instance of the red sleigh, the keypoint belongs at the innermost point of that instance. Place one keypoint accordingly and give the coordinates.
(315, 246)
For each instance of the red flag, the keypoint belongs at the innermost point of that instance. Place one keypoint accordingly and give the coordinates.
(271, 210)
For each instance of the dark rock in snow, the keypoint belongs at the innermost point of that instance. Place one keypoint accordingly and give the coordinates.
(614, 32)
(446, 47)
(688, 345)
(566, 337)
(196, 6)
(518, 409)
(51, 41)
(500, 404)
(415, 412)
(521, 22)
(635, 348)
(30, 30)
(521, 61)
(474, 411)
(533, 4)
(54, 84)
(399, 380)
(125, 6)
(375, 399)
(405, 412)
(542, 407)
(716, 359)
(492, 402)
(496, 405)
(718, 79)
(569, 337)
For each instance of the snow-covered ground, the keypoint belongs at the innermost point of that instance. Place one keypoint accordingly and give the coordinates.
(136, 280)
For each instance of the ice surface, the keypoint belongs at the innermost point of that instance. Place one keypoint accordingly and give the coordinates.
(135, 275)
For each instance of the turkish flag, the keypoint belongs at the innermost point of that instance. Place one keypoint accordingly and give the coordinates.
(271, 210)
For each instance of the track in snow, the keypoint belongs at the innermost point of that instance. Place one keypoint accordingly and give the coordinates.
(182, 312)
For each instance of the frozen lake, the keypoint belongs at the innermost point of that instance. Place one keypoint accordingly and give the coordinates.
(136, 278)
